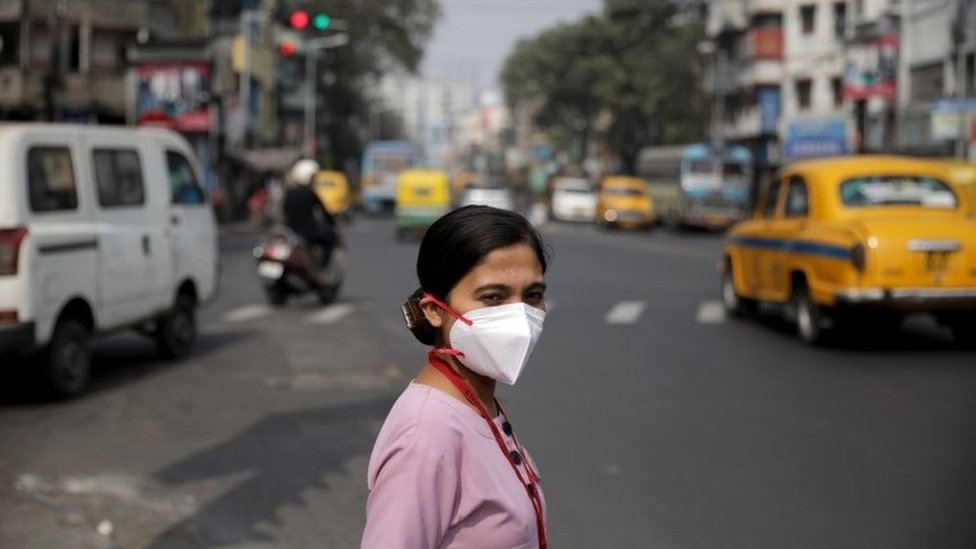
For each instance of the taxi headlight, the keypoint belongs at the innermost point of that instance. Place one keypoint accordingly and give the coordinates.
(610, 215)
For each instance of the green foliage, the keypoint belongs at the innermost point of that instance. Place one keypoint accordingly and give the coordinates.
(629, 74)
(384, 35)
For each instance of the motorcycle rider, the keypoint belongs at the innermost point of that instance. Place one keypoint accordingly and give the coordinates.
(304, 212)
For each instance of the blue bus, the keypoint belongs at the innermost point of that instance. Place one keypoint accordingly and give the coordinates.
(382, 163)
(695, 185)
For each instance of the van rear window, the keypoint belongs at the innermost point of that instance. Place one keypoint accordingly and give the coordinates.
(51, 179)
(118, 173)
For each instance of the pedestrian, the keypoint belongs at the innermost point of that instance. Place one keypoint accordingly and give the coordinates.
(447, 469)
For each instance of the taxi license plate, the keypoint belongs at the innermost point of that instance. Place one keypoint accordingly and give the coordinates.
(936, 262)
(270, 269)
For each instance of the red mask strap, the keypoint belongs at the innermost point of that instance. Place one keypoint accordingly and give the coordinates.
(448, 309)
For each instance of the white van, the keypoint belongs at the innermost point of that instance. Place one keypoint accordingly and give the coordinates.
(101, 228)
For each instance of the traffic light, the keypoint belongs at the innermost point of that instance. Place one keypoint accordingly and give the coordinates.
(301, 19)
(298, 19)
(286, 48)
(321, 21)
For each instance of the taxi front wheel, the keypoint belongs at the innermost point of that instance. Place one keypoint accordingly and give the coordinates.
(809, 317)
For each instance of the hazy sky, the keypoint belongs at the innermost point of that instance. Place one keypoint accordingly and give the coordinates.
(474, 36)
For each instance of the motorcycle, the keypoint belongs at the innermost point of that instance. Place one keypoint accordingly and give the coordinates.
(287, 265)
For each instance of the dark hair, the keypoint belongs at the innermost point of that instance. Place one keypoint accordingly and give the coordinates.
(457, 243)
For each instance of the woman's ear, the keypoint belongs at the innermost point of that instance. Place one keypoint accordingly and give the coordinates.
(431, 312)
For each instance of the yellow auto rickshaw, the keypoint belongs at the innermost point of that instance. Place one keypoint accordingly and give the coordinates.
(422, 196)
(332, 188)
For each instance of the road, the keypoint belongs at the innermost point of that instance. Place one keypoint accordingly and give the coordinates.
(656, 422)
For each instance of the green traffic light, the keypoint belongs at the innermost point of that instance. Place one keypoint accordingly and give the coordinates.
(321, 21)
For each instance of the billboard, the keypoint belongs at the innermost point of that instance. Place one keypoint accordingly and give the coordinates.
(816, 138)
(946, 115)
(870, 68)
(174, 95)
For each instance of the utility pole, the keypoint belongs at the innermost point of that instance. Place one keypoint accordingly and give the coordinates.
(311, 78)
(959, 35)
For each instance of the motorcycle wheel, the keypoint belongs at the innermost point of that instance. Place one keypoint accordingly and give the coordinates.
(277, 295)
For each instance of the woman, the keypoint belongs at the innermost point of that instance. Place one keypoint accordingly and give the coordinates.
(447, 470)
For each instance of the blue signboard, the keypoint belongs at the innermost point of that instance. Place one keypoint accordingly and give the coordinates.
(768, 99)
(815, 138)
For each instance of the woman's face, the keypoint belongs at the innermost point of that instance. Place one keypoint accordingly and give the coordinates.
(507, 275)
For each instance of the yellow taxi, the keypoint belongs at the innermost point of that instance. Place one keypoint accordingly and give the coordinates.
(963, 174)
(856, 242)
(332, 189)
(624, 202)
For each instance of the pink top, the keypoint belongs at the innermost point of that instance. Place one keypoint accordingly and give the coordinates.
(438, 479)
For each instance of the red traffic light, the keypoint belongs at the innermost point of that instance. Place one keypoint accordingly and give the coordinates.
(299, 19)
(287, 49)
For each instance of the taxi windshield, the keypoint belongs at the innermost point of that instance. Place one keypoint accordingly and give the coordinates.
(885, 190)
(624, 191)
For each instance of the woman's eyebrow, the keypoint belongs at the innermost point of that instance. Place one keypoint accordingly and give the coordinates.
(494, 286)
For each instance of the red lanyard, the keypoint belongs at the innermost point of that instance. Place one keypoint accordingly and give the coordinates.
(533, 478)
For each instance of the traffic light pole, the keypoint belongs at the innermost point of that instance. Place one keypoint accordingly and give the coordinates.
(311, 81)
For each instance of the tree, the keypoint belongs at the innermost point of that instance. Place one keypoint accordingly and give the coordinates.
(385, 35)
(634, 67)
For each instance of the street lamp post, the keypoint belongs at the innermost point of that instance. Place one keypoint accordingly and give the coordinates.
(960, 34)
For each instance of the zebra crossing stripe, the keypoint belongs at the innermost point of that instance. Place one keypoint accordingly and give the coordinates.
(247, 313)
(625, 312)
(330, 314)
(711, 312)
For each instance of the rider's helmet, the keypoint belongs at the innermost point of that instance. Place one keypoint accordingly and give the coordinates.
(303, 171)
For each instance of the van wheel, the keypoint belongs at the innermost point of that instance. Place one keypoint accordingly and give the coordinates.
(67, 359)
(809, 317)
(176, 331)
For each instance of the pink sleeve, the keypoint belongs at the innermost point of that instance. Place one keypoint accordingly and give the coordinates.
(412, 499)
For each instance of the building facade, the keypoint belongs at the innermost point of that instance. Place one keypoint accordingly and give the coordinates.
(796, 79)
(66, 61)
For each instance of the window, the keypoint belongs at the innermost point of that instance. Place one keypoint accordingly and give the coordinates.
(51, 179)
(182, 180)
(837, 90)
(118, 176)
(804, 90)
(808, 17)
(897, 190)
(840, 19)
(797, 200)
(9, 43)
(772, 198)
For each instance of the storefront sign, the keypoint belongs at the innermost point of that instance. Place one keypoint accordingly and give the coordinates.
(870, 69)
(816, 138)
(946, 115)
(768, 99)
(174, 95)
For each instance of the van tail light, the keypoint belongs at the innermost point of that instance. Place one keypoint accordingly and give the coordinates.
(8, 317)
(859, 257)
(10, 241)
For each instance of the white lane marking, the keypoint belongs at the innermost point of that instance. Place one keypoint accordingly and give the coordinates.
(625, 312)
(330, 314)
(246, 313)
(711, 312)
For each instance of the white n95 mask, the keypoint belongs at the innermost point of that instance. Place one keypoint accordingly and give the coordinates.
(496, 341)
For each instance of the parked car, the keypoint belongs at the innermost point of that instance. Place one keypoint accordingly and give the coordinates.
(625, 202)
(100, 229)
(488, 192)
(573, 199)
(854, 242)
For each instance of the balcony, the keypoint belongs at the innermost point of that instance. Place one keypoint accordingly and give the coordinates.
(746, 124)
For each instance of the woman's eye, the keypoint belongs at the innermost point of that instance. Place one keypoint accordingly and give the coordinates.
(535, 297)
(492, 298)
